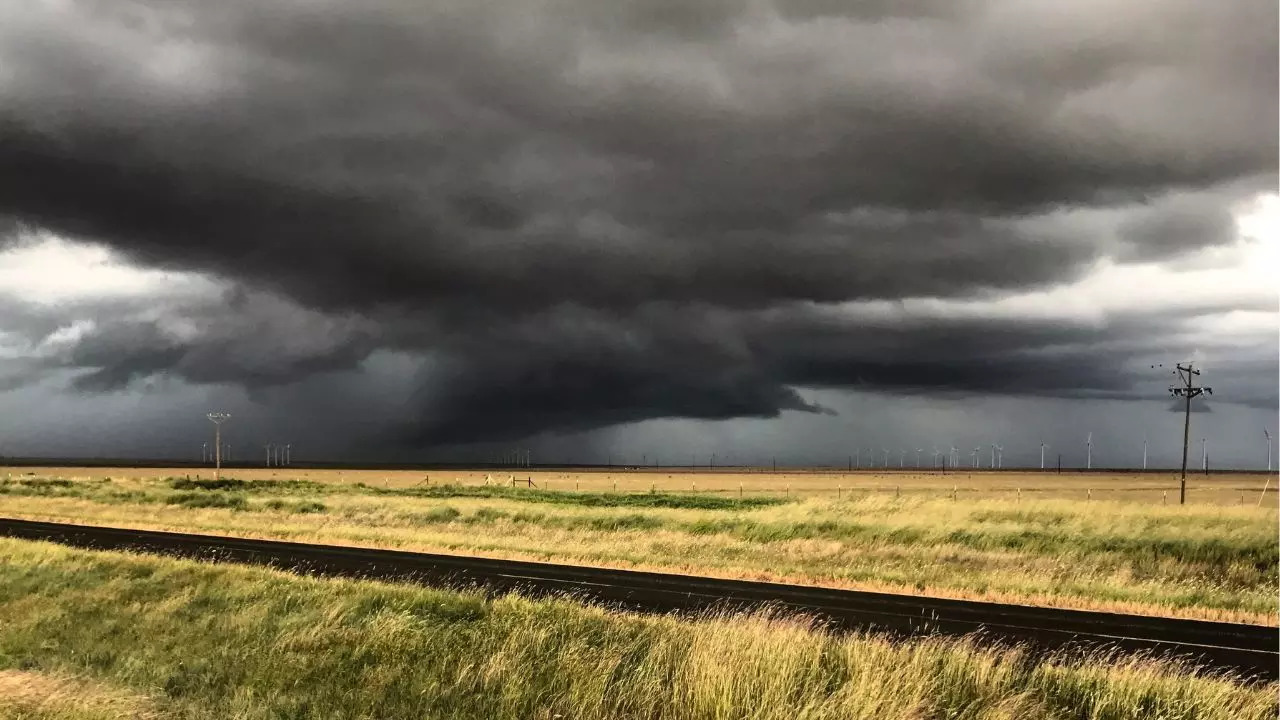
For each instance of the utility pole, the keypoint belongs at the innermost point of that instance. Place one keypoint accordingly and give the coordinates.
(217, 418)
(1186, 388)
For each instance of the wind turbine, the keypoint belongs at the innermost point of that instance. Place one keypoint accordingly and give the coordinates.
(993, 456)
(936, 454)
(268, 447)
(918, 451)
(955, 456)
(1268, 434)
(1042, 447)
(857, 455)
(975, 453)
(902, 459)
(1204, 454)
(1088, 463)
(1144, 453)
(999, 457)
(886, 457)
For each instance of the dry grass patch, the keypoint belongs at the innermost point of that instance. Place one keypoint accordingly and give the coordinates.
(27, 695)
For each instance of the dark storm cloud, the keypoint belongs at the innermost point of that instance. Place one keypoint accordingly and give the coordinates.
(1176, 226)
(580, 371)
(589, 216)
(232, 336)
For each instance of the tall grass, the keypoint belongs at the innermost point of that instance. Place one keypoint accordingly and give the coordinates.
(203, 641)
(1202, 561)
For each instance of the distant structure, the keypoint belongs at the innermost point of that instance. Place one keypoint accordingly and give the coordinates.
(1186, 388)
(217, 418)
(1267, 434)
(1088, 458)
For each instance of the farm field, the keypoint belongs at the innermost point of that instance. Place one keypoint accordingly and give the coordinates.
(109, 635)
(1204, 560)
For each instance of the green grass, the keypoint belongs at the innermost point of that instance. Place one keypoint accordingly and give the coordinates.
(583, 499)
(215, 641)
(1197, 561)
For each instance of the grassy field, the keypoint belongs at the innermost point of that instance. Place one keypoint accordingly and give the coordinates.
(1205, 561)
(97, 635)
(1154, 488)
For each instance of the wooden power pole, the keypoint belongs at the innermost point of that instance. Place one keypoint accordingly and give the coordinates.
(1186, 388)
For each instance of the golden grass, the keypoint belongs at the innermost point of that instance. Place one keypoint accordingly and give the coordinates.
(27, 695)
(229, 641)
(1210, 562)
(1140, 488)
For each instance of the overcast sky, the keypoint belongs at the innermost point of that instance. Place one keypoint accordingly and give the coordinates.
(404, 230)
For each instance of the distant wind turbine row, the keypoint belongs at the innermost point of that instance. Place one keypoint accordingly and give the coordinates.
(951, 458)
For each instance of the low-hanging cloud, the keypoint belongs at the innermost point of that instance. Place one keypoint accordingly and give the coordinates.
(590, 218)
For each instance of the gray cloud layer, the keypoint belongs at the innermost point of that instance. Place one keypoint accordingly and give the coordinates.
(586, 217)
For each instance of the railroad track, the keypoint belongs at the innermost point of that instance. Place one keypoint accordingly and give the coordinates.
(1253, 650)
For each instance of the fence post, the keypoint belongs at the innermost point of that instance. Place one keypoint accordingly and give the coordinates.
(1165, 497)
(1090, 495)
(739, 488)
(839, 491)
(955, 491)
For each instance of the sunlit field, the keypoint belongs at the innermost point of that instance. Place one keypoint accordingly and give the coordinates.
(1202, 560)
(87, 635)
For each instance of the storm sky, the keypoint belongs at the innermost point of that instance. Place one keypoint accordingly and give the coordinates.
(408, 230)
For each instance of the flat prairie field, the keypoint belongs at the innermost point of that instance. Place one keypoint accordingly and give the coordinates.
(1002, 536)
(1155, 487)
